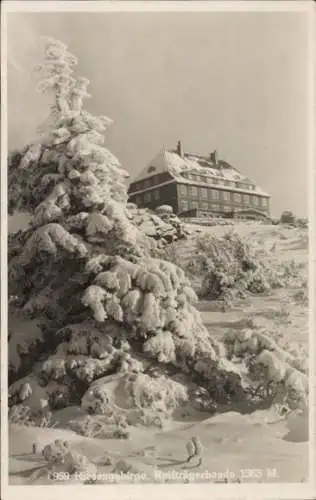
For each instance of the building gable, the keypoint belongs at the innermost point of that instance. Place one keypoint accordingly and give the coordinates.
(158, 165)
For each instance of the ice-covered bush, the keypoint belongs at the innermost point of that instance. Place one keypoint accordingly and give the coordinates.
(233, 266)
(142, 392)
(162, 395)
(164, 209)
(269, 366)
(59, 453)
(59, 398)
(96, 400)
(94, 427)
(301, 222)
(21, 414)
(164, 227)
(56, 452)
(287, 217)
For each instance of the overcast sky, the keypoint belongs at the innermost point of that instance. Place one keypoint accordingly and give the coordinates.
(231, 81)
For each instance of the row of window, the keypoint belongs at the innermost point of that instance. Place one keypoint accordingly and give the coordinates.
(218, 181)
(189, 205)
(225, 195)
(153, 195)
(152, 181)
(147, 183)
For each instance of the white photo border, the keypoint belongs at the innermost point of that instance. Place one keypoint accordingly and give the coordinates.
(278, 491)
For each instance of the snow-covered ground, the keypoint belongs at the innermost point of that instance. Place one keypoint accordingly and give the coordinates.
(253, 447)
(258, 444)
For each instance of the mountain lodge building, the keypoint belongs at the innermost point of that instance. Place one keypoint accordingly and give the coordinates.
(198, 186)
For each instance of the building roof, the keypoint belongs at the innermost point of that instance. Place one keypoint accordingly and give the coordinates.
(181, 168)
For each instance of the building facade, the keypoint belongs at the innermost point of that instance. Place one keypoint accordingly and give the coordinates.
(193, 184)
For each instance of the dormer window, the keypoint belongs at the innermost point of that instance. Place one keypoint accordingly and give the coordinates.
(151, 169)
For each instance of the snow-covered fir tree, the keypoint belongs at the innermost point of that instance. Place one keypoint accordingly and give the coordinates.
(88, 274)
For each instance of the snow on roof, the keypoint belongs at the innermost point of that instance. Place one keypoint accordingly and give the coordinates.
(180, 167)
(157, 166)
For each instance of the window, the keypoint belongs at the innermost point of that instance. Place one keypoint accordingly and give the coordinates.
(226, 195)
(215, 194)
(193, 177)
(138, 186)
(255, 200)
(183, 189)
(138, 200)
(246, 199)
(216, 208)
(194, 191)
(151, 169)
(237, 184)
(194, 204)
(147, 183)
(156, 194)
(227, 208)
(215, 181)
(209, 180)
(237, 197)
(147, 197)
(183, 205)
(264, 202)
(203, 192)
(204, 206)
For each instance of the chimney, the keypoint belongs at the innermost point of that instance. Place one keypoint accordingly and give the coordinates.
(214, 157)
(180, 149)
